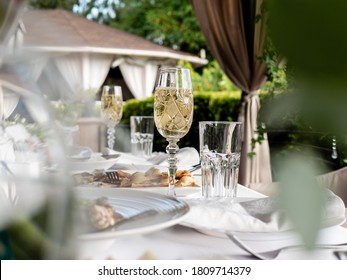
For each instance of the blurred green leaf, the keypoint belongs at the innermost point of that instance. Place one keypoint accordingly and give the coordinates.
(311, 34)
(301, 198)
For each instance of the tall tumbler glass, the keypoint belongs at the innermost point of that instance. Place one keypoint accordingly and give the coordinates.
(141, 132)
(220, 151)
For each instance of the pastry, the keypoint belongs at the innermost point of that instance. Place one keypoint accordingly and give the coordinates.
(153, 177)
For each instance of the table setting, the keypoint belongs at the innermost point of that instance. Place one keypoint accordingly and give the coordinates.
(201, 231)
(214, 217)
(187, 238)
(177, 204)
(193, 236)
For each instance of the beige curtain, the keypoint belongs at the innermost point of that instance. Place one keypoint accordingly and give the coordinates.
(235, 40)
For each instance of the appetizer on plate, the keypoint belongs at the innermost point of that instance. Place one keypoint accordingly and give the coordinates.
(153, 177)
(98, 214)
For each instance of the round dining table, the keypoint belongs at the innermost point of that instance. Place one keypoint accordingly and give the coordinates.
(182, 242)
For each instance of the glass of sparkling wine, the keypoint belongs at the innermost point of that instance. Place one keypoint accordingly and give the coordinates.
(111, 110)
(173, 112)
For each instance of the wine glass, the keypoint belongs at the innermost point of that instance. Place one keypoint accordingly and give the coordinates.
(173, 112)
(111, 110)
(36, 196)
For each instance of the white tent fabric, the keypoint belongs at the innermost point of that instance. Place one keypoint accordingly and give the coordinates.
(10, 86)
(140, 76)
(258, 168)
(85, 54)
(37, 66)
(84, 71)
(17, 37)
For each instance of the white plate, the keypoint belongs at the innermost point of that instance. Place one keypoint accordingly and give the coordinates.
(128, 202)
(92, 164)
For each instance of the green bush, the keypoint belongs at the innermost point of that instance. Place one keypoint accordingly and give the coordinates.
(289, 133)
(208, 106)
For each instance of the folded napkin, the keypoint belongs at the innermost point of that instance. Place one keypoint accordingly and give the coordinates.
(186, 156)
(255, 215)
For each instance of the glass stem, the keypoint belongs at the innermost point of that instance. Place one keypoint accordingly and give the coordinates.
(171, 150)
(111, 130)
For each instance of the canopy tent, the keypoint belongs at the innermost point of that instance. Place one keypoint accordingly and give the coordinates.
(84, 51)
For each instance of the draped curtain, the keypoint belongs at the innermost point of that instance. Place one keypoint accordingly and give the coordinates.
(37, 64)
(10, 11)
(139, 76)
(84, 71)
(235, 40)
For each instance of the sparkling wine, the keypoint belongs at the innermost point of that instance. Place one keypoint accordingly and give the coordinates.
(112, 108)
(173, 111)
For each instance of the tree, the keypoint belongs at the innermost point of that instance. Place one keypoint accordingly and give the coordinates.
(168, 22)
(53, 4)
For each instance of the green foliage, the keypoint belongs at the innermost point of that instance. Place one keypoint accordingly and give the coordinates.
(276, 70)
(289, 132)
(53, 4)
(276, 78)
(135, 107)
(131, 16)
(304, 210)
(172, 23)
(315, 42)
(212, 78)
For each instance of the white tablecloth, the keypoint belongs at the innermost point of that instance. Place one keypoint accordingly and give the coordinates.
(180, 242)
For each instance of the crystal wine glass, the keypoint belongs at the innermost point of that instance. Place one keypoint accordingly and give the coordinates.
(35, 178)
(111, 110)
(173, 112)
